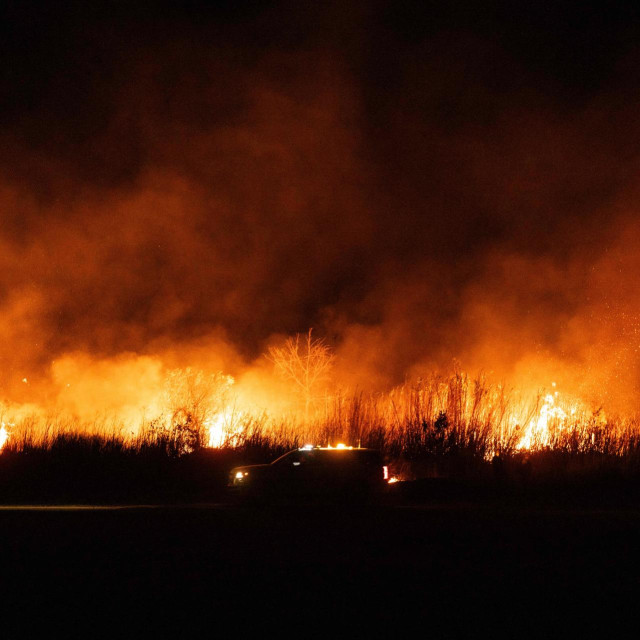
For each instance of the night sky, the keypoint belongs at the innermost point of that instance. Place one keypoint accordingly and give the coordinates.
(417, 181)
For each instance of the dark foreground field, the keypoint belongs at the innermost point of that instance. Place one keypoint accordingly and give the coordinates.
(455, 569)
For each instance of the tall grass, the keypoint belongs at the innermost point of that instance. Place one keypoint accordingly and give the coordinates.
(451, 425)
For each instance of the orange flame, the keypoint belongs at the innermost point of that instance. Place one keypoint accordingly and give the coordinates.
(4, 435)
(551, 418)
(223, 427)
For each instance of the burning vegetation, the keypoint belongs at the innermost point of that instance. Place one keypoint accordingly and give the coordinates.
(437, 424)
(184, 194)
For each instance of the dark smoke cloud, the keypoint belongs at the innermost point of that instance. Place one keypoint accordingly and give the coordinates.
(418, 183)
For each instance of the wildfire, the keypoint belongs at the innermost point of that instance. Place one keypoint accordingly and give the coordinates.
(551, 416)
(223, 427)
(4, 435)
(455, 408)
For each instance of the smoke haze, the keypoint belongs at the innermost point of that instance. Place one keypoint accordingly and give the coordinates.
(185, 187)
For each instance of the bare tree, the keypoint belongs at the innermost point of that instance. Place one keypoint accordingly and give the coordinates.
(306, 361)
